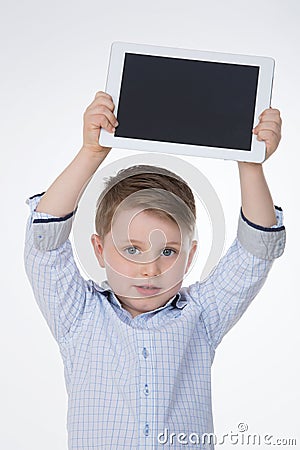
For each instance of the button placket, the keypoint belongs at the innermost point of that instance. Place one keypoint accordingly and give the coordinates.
(145, 353)
(146, 389)
(146, 429)
(146, 400)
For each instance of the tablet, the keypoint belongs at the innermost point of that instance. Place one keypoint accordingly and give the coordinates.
(187, 102)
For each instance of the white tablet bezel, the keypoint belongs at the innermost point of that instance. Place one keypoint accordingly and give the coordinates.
(263, 99)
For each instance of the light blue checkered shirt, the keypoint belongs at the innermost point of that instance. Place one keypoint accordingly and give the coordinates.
(131, 382)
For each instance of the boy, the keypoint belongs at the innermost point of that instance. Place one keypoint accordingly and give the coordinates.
(138, 351)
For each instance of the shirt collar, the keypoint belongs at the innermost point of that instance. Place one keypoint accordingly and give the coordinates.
(176, 301)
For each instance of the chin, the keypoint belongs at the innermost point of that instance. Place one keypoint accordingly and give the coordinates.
(147, 304)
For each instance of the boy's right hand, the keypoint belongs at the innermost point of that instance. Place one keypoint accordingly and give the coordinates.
(99, 114)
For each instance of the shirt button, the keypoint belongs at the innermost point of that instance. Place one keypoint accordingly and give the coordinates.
(145, 353)
(146, 429)
(146, 390)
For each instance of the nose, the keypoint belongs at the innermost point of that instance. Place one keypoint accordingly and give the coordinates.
(150, 269)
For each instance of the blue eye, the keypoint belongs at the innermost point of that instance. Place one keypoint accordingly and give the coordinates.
(168, 252)
(132, 250)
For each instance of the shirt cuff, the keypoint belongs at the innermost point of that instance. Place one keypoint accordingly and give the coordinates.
(263, 242)
(49, 232)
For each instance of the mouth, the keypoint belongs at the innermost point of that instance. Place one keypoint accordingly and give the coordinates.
(148, 290)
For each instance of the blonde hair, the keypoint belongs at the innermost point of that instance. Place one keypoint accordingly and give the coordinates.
(152, 189)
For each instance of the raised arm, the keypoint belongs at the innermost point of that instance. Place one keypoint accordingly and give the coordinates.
(63, 195)
(62, 294)
(237, 279)
(257, 203)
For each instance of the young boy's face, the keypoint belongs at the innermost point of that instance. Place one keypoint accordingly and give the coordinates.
(146, 257)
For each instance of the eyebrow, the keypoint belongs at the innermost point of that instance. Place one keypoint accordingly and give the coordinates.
(134, 241)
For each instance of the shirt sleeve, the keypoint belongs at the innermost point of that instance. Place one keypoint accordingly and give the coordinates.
(61, 292)
(227, 292)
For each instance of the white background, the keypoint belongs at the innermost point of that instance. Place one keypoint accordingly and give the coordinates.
(54, 57)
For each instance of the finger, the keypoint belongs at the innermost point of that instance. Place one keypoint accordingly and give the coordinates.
(99, 101)
(103, 94)
(271, 110)
(98, 121)
(270, 138)
(271, 118)
(104, 111)
(266, 134)
(101, 108)
(95, 124)
(270, 114)
(268, 120)
(268, 126)
(100, 113)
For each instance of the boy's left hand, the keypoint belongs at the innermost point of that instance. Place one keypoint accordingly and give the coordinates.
(269, 130)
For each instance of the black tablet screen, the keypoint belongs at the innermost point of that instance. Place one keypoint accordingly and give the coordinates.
(187, 101)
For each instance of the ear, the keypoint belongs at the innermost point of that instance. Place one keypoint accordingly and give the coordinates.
(193, 249)
(98, 246)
